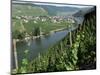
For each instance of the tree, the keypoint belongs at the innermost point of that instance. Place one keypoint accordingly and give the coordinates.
(36, 31)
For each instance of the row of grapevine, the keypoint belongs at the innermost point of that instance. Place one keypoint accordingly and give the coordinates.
(77, 51)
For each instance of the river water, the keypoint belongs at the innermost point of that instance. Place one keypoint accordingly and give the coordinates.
(38, 45)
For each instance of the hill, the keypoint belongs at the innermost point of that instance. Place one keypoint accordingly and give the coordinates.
(27, 10)
(57, 10)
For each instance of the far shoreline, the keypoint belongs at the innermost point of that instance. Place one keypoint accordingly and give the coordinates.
(35, 37)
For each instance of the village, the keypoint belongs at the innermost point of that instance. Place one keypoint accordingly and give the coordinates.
(41, 25)
(54, 19)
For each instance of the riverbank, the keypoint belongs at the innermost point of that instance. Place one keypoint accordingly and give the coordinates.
(35, 37)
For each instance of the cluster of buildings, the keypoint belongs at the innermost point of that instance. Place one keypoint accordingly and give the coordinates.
(54, 19)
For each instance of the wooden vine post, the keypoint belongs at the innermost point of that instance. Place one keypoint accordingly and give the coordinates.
(15, 54)
(70, 38)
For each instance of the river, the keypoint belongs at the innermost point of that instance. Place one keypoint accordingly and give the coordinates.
(38, 45)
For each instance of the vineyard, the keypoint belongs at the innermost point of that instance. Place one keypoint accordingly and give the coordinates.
(52, 38)
(77, 51)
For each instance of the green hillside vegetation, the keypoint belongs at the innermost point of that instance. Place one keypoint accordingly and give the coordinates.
(27, 10)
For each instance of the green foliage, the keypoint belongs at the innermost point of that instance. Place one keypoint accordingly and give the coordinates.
(87, 49)
(18, 35)
(25, 62)
(36, 31)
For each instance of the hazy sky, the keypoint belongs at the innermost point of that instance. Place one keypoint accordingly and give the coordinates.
(78, 6)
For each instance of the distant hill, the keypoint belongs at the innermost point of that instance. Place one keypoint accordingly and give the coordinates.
(38, 10)
(83, 11)
(28, 10)
(57, 10)
(79, 16)
(33, 9)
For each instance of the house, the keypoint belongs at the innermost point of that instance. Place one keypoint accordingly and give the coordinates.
(18, 17)
(26, 21)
